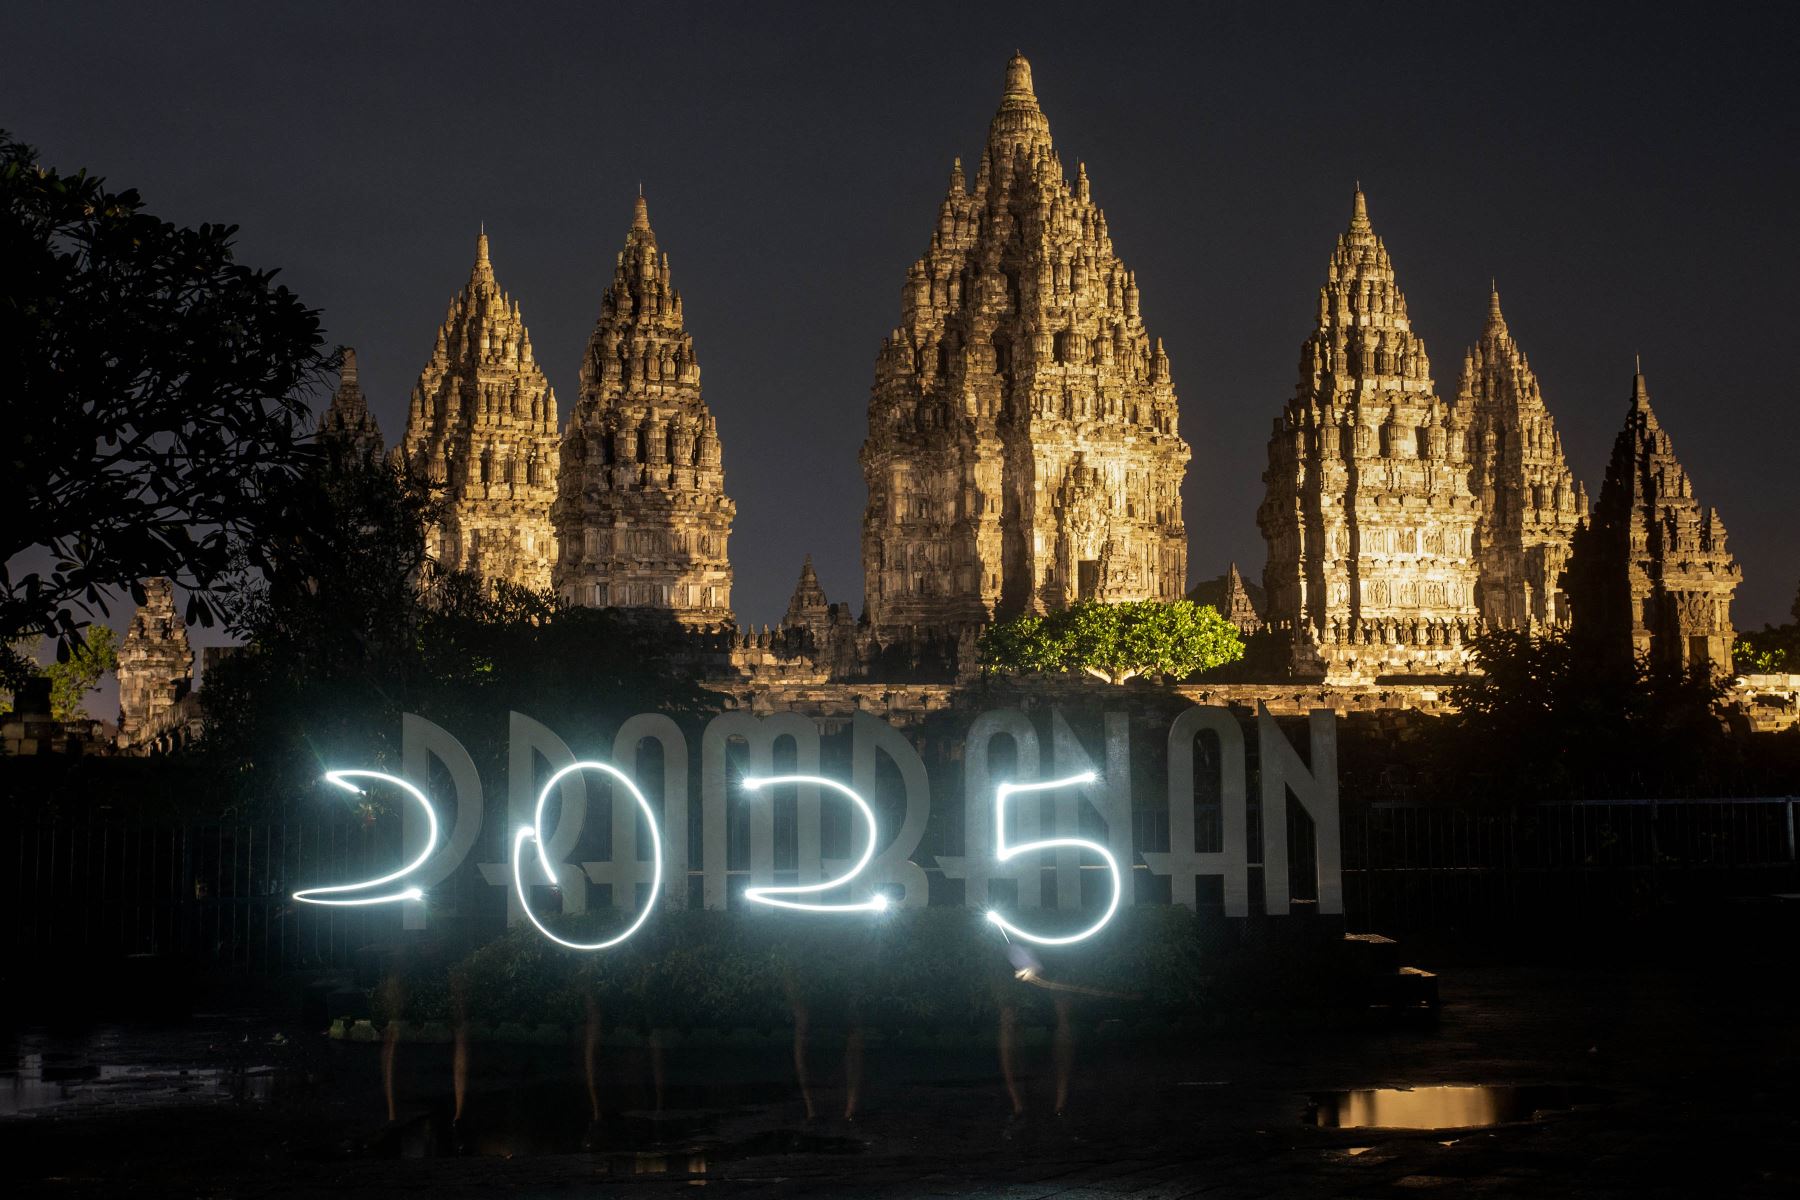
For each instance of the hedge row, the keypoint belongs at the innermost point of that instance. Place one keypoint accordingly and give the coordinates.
(937, 970)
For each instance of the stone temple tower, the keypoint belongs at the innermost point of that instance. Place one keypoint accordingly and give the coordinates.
(641, 513)
(1022, 451)
(1651, 575)
(348, 422)
(483, 425)
(1528, 503)
(156, 664)
(1367, 513)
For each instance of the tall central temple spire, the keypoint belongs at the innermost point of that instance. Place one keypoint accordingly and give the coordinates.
(1022, 450)
(1367, 514)
(642, 513)
(483, 424)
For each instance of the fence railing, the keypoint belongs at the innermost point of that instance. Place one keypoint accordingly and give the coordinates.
(214, 893)
(1415, 867)
(219, 894)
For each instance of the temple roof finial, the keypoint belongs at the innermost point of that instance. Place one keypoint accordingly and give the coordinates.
(1640, 390)
(1018, 80)
(640, 213)
(481, 245)
(1359, 209)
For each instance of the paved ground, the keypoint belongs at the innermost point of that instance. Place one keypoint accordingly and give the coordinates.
(1683, 1081)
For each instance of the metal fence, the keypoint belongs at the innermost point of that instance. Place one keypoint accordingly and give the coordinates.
(216, 894)
(219, 894)
(1411, 867)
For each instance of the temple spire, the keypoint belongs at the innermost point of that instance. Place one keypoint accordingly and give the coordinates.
(1020, 346)
(807, 592)
(641, 514)
(481, 275)
(1640, 390)
(1018, 81)
(1528, 503)
(1652, 574)
(482, 424)
(1364, 370)
(347, 422)
(1020, 122)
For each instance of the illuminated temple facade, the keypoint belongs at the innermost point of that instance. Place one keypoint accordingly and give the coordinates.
(1368, 514)
(1022, 451)
(1528, 504)
(156, 664)
(482, 427)
(1022, 454)
(641, 511)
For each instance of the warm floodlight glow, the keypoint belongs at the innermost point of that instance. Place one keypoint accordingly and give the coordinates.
(769, 893)
(535, 831)
(1005, 853)
(314, 895)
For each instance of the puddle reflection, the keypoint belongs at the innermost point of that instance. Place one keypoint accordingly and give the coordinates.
(1444, 1106)
(41, 1083)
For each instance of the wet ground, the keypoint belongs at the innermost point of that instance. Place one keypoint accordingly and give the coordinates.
(1534, 1082)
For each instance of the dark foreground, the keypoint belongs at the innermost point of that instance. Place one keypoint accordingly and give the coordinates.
(1665, 1082)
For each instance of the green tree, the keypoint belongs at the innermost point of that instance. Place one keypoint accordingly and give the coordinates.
(71, 678)
(79, 673)
(1772, 650)
(1115, 642)
(153, 385)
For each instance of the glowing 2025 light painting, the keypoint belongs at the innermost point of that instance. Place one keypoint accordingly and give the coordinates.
(336, 895)
(1006, 853)
(535, 832)
(1023, 780)
(777, 896)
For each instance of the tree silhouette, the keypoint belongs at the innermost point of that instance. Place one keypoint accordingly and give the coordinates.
(1557, 716)
(152, 386)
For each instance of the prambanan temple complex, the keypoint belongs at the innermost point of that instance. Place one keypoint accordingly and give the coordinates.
(1023, 454)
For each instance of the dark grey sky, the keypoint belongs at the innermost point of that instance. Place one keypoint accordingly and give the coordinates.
(1630, 180)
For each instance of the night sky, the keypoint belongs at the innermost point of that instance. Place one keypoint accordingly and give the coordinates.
(1630, 181)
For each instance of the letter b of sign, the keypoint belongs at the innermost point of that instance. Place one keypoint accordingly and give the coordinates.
(1005, 853)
